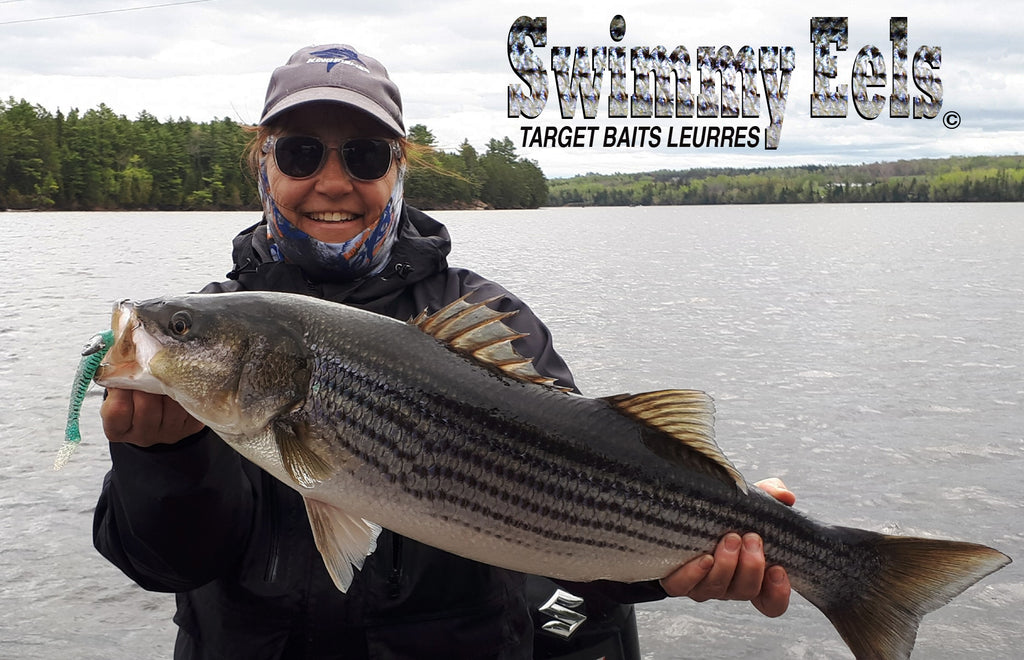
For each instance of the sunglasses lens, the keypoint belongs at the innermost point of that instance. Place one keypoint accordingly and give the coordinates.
(300, 157)
(367, 159)
(297, 156)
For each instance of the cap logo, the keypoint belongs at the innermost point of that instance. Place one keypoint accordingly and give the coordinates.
(333, 56)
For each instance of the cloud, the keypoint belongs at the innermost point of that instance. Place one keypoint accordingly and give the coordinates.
(212, 59)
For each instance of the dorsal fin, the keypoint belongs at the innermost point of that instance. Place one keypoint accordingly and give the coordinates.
(686, 422)
(477, 331)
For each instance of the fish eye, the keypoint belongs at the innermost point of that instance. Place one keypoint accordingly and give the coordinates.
(181, 323)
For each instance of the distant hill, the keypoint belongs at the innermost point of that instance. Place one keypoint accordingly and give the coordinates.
(956, 179)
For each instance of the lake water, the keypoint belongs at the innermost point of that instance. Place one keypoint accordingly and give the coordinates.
(869, 355)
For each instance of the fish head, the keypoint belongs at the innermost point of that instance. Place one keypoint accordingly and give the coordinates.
(227, 362)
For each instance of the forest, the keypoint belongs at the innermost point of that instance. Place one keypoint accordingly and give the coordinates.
(100, 160)
(957, 179)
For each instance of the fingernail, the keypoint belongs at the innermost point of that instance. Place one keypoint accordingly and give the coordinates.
(706, 562)
(752, 543)
(776, 575)
(732, 542)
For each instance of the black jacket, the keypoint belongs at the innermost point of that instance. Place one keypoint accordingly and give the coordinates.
(234, 544)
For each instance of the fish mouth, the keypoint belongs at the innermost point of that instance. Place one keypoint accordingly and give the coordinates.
(126, 363)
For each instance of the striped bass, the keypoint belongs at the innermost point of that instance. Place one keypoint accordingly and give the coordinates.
(438, 430)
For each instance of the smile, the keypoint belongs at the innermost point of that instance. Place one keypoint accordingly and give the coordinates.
(331, 216)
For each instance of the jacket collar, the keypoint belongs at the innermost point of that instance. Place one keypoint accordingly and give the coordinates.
(421, 251)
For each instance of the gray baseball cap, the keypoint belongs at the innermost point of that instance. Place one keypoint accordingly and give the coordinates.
(335, 73)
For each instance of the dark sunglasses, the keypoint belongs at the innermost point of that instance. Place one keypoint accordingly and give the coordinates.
(366, 159)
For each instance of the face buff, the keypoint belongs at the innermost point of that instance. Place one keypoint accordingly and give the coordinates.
(363, 255)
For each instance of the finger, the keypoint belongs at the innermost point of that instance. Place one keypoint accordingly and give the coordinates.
(682, 580)
(160, 419)
(718, 580)
(773, 600)
(178, 420)
(145, 419)
(777, 489)
(749, 575)
(149, 414)
(116, 413)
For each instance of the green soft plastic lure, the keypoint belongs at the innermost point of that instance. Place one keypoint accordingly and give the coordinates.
(92, 356)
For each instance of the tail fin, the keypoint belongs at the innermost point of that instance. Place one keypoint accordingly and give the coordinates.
(915, 576)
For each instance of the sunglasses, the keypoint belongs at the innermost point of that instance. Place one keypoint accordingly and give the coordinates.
(301, 156)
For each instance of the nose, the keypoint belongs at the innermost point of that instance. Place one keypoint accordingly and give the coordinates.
(333, 178)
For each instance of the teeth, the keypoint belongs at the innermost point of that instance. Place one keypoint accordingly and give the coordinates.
(331, 216)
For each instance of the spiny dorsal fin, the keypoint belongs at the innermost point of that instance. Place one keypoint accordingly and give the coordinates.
(686, 421)
(302, 463)
(476, 330)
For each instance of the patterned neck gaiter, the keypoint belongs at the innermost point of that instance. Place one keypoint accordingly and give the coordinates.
(363, 255)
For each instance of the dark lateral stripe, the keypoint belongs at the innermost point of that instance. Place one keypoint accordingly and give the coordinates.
(528, 509)
(397, 430)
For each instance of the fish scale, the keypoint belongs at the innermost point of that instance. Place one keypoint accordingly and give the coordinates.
(423, 447)
(438, 430)
(406, 429)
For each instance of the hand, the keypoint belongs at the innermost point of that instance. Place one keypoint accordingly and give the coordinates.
(144, 419)
(737, 570)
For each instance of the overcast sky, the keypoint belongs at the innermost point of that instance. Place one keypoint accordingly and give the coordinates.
(211, 59)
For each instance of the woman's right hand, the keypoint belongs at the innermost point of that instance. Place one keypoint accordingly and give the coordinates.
(144, 419)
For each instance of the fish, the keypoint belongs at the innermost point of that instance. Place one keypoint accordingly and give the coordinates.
(439, 430)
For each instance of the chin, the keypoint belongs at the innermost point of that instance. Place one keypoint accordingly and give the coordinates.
(337, 232)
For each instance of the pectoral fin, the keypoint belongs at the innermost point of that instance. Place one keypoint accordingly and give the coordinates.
(303, 464)
(343, 541)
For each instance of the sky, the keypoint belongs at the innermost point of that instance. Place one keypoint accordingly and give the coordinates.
(211, 59)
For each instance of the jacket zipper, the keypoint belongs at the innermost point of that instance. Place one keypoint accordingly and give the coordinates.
(274, 549)
(395, 579)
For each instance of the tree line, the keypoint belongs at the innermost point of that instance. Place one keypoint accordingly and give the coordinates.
(100, 160)
(956, 179)
(464, 179)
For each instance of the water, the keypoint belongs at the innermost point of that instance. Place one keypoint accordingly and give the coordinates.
(869, 355)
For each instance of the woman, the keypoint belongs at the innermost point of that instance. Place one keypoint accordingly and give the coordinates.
(182, 512)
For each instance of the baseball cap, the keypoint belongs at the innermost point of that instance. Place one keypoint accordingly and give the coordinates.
(335, 73)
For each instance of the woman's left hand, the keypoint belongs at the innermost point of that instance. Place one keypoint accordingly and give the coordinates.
(738, 569)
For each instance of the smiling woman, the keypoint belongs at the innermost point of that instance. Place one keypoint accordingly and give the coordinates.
(338, 215)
